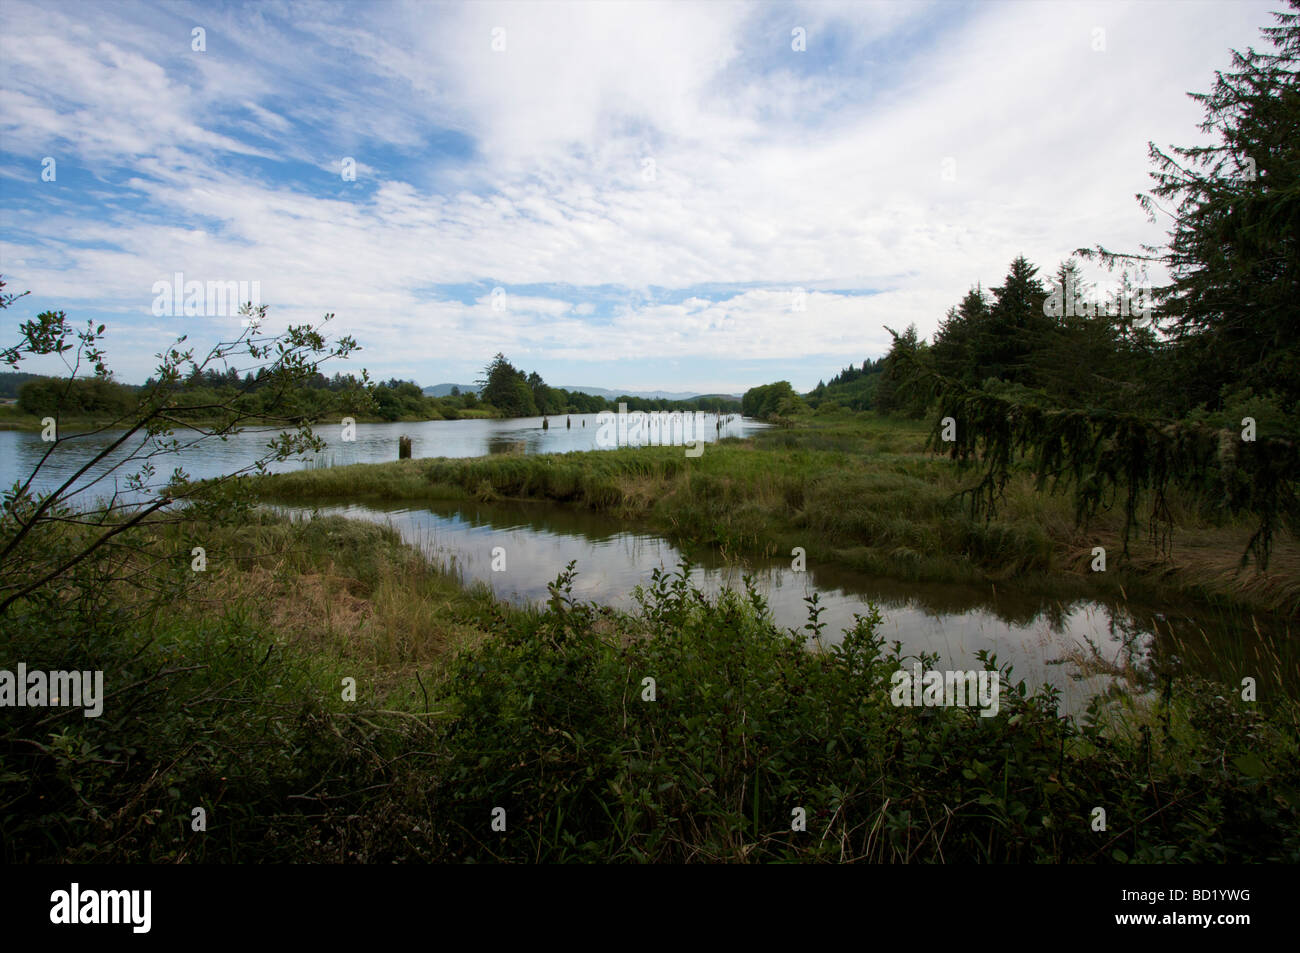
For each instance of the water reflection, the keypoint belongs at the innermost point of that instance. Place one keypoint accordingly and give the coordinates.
(1079, 645)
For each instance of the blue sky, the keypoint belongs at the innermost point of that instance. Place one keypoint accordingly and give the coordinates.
(623, 195)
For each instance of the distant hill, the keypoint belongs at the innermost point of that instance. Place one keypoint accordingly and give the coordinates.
(442, 390)
(10, 381)
(652, 394)
(735, 397)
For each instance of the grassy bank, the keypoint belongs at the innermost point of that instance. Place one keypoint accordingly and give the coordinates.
(856, 490)
(229, 698)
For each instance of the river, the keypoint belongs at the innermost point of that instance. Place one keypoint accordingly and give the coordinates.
(21, 451)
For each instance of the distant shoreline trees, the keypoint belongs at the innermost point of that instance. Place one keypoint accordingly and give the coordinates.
(507, 392)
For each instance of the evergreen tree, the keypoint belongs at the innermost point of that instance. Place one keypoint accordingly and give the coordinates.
(1014, 327)
(506, 388)
(899, 390)
(1234, 247)
(1229, 308)
(954, 343)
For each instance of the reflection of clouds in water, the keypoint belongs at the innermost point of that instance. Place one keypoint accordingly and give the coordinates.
(1039, 638)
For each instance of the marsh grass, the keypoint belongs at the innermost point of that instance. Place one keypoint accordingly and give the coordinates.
(853, 489)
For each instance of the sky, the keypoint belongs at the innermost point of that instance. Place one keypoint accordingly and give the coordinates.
(696, 197)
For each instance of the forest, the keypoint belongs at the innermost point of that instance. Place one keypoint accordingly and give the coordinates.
(508, 392)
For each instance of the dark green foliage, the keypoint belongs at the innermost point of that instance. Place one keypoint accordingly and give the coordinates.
(546, 720)
(78, 397)
(1102, 401)
(900, 389)
(212, 717)
(771, 401)
(954, 350)
(516, 394)
(1106, 454)
(506, 388)
(853, 387)
(748, 725)
(11, 381)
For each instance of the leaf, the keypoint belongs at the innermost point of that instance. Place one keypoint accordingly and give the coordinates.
(1250, 765)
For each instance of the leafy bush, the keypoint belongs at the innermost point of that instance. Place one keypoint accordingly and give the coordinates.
(748, 725)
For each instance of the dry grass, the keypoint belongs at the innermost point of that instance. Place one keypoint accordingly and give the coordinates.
(347, 589)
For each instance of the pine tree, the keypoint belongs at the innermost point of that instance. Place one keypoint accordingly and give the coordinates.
(1015, 326)
(1234, 246)
(1230, 309)
(954, 343)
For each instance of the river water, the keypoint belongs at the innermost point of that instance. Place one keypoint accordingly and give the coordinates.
(21, 452)
(1077, 645)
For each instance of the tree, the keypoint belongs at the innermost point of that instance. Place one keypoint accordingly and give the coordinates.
(954, 343)
(771, 400)
(900, 390)
(1014, 328)
(1233, 253)
(53, 544)
(500, 386)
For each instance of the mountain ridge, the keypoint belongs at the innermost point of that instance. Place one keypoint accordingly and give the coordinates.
(444, 389)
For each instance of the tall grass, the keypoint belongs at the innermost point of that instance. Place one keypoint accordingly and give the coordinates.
(852, 489)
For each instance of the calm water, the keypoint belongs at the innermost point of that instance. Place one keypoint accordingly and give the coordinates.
(20, 452)
(1043, 638)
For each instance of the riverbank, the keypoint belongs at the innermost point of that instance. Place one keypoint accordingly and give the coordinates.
(327, 695)
(855, 490)
(13, 419)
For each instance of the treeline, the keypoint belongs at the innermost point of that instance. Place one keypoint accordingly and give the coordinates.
(516, 394)
(1193, 385)
(10, 381)
(1055, 344)
(1220, 341)
(853, 388)
(75, 397)
(1050, 340)
(104, 398)
(507, 393)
